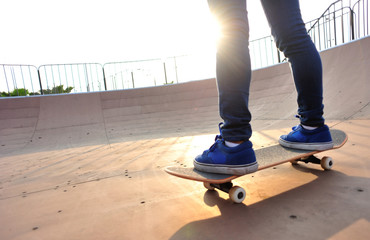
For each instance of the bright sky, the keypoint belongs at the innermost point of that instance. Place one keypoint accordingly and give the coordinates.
(69, 31)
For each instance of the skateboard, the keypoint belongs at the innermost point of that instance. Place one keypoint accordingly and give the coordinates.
(266, 157)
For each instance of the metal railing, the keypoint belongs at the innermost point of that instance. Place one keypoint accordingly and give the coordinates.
(15, 79)
(340, 23)
(82, 77)
(361, 19)
(264, 52)
(332, 29)
(155, 72)
(123, 75)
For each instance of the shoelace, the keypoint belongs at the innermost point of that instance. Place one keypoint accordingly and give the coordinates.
(295, 127)
(217, 138)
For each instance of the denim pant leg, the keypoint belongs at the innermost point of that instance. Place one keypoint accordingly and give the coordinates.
(233, 68)
(291, 38)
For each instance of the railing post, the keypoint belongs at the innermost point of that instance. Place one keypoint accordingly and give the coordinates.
(104, 78)
(165, 72)
(177, 78)
(39, 75)
(132, 78)
(6, 80)
(352, 25)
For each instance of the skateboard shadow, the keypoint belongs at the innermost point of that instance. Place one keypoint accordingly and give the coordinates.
(317, 210)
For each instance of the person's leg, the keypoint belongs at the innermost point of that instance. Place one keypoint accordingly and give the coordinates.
(290, 34)
(233, 68)
(233, 76)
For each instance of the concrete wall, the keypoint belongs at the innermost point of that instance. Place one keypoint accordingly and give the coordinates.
(183, 109)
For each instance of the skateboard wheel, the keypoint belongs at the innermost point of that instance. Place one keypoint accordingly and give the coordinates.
(208, 186)
(326, 163)
(237, 194)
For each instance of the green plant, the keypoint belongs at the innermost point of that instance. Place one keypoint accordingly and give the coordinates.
(16, 92)
(58, 89)
(19, 92)
(24, 92)
(5, 94)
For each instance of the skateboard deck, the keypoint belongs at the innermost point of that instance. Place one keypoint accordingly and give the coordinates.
(266, 157)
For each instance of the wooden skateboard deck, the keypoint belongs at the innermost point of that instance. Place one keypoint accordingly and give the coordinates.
(266, 157)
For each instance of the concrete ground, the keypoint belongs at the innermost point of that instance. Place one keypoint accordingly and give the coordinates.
(90, 166)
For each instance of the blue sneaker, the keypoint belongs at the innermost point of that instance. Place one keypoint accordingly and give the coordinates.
(219, 158)
(300, 138)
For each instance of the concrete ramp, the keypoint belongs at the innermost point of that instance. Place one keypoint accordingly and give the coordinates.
(346, 85)
(89, 166)
(61, 121)
(183, 109)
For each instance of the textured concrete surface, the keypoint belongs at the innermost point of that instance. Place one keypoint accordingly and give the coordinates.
(90, 166)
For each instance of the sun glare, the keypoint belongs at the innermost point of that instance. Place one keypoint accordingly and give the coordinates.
(112, 32)
(191, 35)
(189, 28)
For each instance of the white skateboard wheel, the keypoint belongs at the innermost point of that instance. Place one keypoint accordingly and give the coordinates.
(208, 186)
(237, 194)
(326, 163)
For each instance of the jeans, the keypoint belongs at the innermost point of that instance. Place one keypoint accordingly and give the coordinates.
(233, 66)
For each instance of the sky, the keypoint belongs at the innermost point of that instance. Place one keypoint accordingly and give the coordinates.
(99, 31)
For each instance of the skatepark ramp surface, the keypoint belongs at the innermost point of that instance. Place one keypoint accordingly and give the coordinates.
(90, 166)
(182, 109)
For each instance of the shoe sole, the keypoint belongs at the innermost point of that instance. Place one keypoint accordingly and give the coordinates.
(226, 169)
(307, 146)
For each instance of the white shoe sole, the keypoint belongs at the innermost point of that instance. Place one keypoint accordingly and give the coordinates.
(307, 146)
(226, 169)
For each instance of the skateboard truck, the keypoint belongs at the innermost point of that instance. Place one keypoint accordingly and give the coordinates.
(236, 193)
(325, 162)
